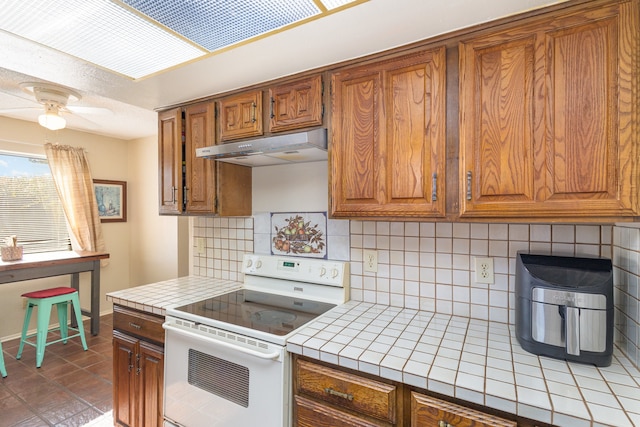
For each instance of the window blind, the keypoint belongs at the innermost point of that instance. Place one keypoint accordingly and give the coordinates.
(29, 205)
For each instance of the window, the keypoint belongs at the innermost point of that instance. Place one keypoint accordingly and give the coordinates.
(29, 204)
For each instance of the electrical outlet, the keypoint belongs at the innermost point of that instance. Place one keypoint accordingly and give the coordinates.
(484, 270)
(370, 260)
(200, 246)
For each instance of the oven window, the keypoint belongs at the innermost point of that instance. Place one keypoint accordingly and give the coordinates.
(220, 377)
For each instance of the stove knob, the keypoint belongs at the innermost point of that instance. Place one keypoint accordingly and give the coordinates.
(323, 271)
(258, 264)
(249, 262)
(334, 273)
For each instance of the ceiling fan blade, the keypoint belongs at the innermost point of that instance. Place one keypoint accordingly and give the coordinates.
(88, 110)
(18, 110)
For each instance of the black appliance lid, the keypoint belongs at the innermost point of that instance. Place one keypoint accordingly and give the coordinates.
(270, 313)
(568, 272)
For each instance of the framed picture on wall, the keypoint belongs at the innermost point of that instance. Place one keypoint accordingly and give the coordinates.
(112, 200)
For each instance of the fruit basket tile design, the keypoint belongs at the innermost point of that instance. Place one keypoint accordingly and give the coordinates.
(299, 234)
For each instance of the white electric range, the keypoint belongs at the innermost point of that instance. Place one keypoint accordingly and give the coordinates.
(226, 362)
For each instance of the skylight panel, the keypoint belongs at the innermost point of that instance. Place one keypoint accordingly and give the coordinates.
(99, 32)
(216, 24)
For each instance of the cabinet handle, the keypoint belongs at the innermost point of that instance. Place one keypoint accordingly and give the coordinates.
(138, 363)
(135, 326)
(130, 367)
(468, 185)
(186, 198)
(443, 423)
(333, 392)
(173, 192)
(434, 187)
(254, 108)
(273, 101)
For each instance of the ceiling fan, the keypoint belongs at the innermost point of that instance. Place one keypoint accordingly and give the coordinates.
(54, 99)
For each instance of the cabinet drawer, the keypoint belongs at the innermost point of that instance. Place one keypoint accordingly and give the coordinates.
(359, 394)
(429, 411)
(134, 322)
(309, 413)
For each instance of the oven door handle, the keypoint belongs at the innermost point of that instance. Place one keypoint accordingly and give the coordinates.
(273, 355)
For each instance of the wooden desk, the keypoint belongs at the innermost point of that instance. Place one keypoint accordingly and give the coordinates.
(49, 264)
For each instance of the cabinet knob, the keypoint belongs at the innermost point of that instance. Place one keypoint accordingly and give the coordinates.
(468, 185)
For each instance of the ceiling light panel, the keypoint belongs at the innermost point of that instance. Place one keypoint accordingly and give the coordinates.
(215, 24)
(100, 32)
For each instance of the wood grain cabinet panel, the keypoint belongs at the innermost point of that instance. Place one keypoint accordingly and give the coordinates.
(241, 116)
(388, 138)
(170, 161)
(310, 413)
(546, 113)
(200, 186)
(138, 368)
(359, 394)
(428, 411)
(296, 105)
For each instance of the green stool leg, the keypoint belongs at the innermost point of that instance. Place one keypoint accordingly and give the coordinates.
(44, 316)
(62, 318)
(25, 328)
(75, 302)
(3, 370)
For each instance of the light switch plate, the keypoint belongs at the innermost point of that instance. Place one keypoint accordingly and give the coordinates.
(200, 246)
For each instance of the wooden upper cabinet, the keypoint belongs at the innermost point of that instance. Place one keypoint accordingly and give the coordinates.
(296, 105)
(241, 116)
(546, 117)
(200, 184)
(388, 138)
(170, 161)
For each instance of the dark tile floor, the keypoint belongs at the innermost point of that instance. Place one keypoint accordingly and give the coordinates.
(72, 387)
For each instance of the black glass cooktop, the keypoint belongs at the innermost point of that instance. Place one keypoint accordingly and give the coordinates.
(274, 314)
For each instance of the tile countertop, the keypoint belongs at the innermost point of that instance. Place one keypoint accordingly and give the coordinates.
(157, 297)
(473, 360)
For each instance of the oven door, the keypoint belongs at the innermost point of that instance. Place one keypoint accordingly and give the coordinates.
(214, 378)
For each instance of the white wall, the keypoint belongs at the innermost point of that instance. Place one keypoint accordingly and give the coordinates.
(157, 245)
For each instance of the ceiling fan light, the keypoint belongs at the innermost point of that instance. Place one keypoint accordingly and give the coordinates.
(52, 121)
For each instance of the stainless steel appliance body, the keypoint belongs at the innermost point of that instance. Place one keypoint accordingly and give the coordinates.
(226, 362)
(564, 307)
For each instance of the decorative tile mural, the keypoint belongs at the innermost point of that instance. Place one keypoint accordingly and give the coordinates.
(299, 234)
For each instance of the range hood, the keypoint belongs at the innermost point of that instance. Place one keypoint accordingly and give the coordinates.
(297, 147)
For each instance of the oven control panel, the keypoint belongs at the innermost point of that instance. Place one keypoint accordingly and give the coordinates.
(323, 272)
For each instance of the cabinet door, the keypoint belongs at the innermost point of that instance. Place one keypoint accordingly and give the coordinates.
(200, 181)
(545, 117)
(296, 105)
(388, 138)
(151, 380)
(431, 412)
(241, 116)
(170, 161)
(124, 385)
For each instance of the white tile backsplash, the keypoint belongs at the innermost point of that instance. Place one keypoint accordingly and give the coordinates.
(429, 266)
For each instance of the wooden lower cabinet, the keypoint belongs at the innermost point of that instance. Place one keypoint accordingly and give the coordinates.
(138, 369)
(427, 411)
(328, 396)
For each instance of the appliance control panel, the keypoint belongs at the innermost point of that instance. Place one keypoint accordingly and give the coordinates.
(309, 270)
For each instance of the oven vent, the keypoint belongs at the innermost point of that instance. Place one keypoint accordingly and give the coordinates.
(220, 377)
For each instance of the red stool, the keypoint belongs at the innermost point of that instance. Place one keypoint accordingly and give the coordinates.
(44, 299)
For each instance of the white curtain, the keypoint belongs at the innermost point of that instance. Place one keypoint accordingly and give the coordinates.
(72, 178)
